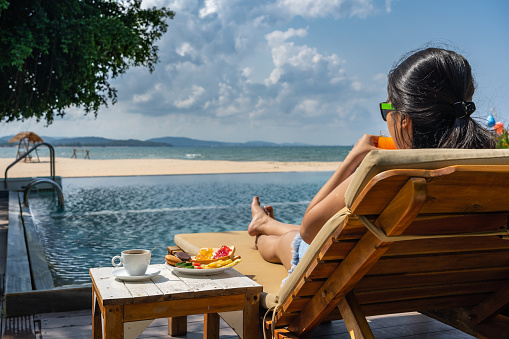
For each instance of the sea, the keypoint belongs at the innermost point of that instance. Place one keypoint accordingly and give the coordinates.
(279, 153)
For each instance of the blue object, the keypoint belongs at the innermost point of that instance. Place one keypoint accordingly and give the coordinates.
(490, 120)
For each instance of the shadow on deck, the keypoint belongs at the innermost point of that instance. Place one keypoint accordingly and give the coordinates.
(78, 324)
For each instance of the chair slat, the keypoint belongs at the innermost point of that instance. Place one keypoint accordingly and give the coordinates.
(374, 282)
(433, 291)
(308, 288)
(457, 223)
(447, 245)
(424, 304)
(322, 270)
(295, 304)
(338, 251)
(442, 262)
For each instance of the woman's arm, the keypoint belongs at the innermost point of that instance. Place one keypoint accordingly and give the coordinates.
(331, 197)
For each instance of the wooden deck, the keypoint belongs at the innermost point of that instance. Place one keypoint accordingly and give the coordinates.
(78, 325)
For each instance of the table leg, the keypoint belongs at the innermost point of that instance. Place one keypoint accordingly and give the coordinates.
(177, 326)
(96, 318)
(211, 326)
(114, 322)
(251, 315)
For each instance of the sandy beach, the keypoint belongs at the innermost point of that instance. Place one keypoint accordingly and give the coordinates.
(69, 168)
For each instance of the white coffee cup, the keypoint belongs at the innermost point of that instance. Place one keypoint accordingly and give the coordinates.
(135, 262)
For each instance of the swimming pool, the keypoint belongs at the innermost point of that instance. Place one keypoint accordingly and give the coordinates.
(103, 216)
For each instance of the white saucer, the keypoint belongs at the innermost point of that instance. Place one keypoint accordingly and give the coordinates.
(121, 274)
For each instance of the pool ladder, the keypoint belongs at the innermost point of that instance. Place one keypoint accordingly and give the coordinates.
(52, 160)
(39, 180)
(47, 181)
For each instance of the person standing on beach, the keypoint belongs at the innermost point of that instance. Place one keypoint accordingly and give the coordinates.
(429, 106)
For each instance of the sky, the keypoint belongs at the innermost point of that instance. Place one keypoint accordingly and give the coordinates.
(308, 71)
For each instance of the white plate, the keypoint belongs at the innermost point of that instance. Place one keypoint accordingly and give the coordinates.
(209, 271)
(121, 274)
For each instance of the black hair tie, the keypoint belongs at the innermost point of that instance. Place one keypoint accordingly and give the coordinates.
(463, 109)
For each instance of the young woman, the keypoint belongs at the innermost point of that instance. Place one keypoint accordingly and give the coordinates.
(429, 106)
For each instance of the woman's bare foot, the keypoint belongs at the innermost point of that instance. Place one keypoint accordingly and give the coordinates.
(259, 217)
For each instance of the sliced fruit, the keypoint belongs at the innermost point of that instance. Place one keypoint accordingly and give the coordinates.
(206, 255)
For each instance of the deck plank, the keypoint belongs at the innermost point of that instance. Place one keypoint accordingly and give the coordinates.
(412, 325)
(17, 272)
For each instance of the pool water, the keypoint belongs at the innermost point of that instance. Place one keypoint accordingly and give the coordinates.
(103, 216)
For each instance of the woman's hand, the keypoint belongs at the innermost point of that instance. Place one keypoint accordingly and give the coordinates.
(361, 149)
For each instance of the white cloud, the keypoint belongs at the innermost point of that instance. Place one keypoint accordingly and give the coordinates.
(174, 5)
(324, 8)
(247, 72)
(277, 37)
(290, 58)
(388, 5)
(142, 98)
(186, 49)
(191, 100)
(149, 95)
(309, 107)
(211, 7)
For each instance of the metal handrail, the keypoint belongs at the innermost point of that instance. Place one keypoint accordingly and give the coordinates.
(44, 180)
(51, 155)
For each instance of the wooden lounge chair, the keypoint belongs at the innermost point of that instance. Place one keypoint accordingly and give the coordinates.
(424, 230)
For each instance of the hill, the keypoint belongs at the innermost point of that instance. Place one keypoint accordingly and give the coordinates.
(154, 142)
(90, 142)
(104, 142)
(188, 142)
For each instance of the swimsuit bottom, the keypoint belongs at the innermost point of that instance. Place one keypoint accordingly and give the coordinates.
(299, 247)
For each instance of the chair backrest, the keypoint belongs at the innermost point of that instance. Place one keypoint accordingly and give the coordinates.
(424, 273)
(465, 202)
(383, 160)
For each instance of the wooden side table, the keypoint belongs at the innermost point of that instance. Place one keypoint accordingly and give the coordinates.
(172, 295)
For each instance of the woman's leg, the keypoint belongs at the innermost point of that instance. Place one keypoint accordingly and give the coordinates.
(263, 224)
(277, 248)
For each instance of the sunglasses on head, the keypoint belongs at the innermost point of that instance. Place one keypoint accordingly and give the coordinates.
(385, 109)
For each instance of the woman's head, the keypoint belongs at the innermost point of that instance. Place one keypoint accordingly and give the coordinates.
(431, 92)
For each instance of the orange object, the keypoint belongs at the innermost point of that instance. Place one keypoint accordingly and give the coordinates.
(386, 143)
(204, 254)
(499, 128)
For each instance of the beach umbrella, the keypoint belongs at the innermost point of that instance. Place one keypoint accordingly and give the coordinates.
(26, 140)
(30, 136)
